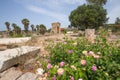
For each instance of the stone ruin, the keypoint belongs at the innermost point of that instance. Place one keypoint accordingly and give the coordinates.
(20, 55)
(90, 35)
(55, 28)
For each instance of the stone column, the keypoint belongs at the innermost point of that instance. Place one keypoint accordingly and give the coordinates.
(90, 35)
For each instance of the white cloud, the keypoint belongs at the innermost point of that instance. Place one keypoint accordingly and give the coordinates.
(56, 9)
(60, 4)
(58, 16)
(63, 1)
(74, 1)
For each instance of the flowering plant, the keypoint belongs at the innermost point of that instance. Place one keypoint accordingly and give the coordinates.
(84, 61)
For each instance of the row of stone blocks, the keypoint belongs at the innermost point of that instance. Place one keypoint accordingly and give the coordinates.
(11, 57)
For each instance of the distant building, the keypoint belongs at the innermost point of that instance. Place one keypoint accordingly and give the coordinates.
(56, 28)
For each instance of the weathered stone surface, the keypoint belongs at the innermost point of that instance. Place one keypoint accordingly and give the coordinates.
(90, 35)
(55, 28)
(10, 74)
(8, 41)
(14, 56)
(28, 76)
(1, 36)
(30, 65)
(2, 47)
(80, 33)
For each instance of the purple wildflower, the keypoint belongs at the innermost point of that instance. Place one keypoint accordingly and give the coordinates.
(54, 78)
(94, 68)
(72, 78)
(70, 51)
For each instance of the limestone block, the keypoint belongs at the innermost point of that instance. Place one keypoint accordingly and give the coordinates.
(8, 41)
(10, 74)
(90, 35)
(28, 76)
(14, 56)
(2, 47)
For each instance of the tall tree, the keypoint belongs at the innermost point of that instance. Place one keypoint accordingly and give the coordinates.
(14, 25)
(32, 27)
(41, 29)
(117, 21)
(88, 16)
(98, 2)
(25, 22)
(7, 26)
(16, 29)
(37, 27)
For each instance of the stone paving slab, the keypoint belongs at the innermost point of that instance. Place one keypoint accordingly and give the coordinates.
(8, 41)
(28, 76)
(10, 74)
(10, 57)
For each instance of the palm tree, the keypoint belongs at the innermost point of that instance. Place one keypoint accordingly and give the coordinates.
(17, 29)
(25, 22)
(37, 29)
(32, 27)
(14, 28)
(7, 26)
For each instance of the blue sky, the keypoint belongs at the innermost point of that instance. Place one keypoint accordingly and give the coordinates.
(46, 11)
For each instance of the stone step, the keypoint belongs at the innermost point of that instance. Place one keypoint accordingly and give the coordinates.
(8, 41)
(11, 57)
(10, 74)
(28, 76)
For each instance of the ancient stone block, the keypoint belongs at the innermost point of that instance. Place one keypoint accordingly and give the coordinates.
(55, 28)
(90, 35)
(8, 41)
(15, 56)
(28, 76)
(10, 74)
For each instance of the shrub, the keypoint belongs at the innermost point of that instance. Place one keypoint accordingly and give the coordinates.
(84, 60)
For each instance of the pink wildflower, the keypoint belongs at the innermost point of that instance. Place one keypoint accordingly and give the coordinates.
(62, 64)
(54, 78)
(83, 62)
(91, 53)
(94, 68)
(96, 56)
(49, 66)
(60, 71)
(65, 42)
